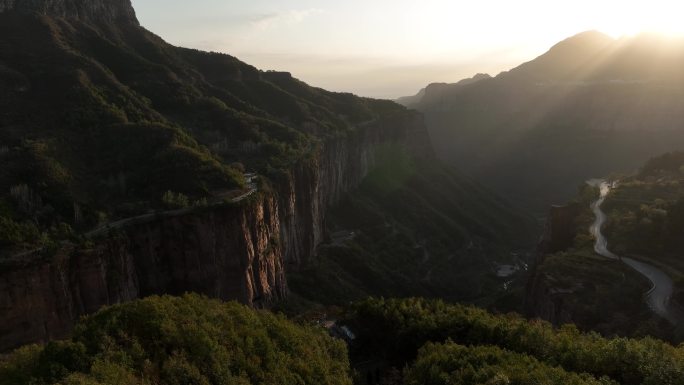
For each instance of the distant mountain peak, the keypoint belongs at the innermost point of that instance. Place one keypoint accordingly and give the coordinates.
(588, 39)
(438, 88)
(117, 11)
(569, 60)
(478, 76)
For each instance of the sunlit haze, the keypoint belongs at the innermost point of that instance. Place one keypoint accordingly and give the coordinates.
(386, 48)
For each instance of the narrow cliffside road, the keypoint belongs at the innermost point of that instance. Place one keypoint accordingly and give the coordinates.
(152, 216)
(217, 200)
(658, 297)
(121, 223)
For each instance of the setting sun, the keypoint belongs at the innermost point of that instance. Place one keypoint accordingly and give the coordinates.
(629, 18)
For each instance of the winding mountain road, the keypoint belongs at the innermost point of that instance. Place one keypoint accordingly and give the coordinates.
(144, 218)
(658, 297)
(166, 214)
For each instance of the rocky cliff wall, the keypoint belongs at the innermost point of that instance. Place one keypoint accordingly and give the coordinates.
(86, 10)
(541, 300)
(231, 253)
(560, 229)
(340, 167)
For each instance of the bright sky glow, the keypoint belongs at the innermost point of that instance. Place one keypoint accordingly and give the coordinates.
(391, 48)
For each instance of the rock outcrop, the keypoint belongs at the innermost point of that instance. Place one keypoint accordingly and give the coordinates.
(232, 253)
(119, 11)
(560, 229)
(541, 300)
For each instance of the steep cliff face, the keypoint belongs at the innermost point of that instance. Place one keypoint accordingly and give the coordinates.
(560, 229)
(342, 164)
(541, 299)
(230, 253)
(120, 11)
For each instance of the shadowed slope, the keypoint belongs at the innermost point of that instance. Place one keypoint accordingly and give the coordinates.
(589, 106)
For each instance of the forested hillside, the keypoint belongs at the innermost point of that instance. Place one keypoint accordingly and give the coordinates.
(104, 120)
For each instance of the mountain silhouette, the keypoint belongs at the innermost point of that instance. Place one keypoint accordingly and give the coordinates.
(589, 106)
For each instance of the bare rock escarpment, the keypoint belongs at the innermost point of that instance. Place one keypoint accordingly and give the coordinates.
(229, 253)
(542, 301)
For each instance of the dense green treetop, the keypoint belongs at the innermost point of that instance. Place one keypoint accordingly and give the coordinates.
(398, 328)
(186, 340)
(453, 364)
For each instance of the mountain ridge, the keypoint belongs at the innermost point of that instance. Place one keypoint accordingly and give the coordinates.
(119, 11)
(589, 106)
(436, 88)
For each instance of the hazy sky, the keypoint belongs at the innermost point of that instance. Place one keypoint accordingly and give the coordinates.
(391, 48)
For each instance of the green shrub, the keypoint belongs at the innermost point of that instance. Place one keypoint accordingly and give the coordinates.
(453, 364)
(12, 232)
(175, 200)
